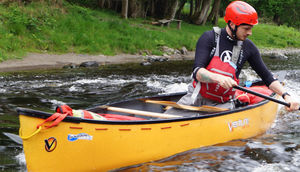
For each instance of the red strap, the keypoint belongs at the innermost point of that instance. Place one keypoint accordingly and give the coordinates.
(87, 115)
(64, 109)
(58, 117)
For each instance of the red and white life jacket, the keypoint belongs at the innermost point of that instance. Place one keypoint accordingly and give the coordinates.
(79, 113)
(64, 110)
(214, 91)
(91, 115)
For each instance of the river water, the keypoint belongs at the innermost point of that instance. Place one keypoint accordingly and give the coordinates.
(276, 150)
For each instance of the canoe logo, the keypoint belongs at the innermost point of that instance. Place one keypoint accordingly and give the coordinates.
(50, 144)
(80, 136)
(239, 123)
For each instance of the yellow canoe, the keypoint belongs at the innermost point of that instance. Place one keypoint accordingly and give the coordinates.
(77, 144)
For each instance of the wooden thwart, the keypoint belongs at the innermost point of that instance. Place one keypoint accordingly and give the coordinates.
(203, 108)
(139, 112)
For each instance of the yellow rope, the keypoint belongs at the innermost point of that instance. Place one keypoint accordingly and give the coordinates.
(244, 94)
(34, 133)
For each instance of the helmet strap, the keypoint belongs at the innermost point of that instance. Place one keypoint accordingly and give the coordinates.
(233, 31)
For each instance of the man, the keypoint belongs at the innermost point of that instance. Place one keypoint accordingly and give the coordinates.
(219, 58)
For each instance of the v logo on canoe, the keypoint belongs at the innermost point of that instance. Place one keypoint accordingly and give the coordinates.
(50, 144)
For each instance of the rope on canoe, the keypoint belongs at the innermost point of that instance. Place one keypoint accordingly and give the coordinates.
(31, 135)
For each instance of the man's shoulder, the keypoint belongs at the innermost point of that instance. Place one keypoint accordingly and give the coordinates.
(249, 43)
(207, 36)
(209, 33)
(250, 47)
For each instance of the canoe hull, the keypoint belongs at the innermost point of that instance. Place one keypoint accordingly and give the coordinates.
(87, 146)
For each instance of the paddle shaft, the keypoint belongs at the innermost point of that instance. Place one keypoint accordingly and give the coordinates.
(139, 112)
(203, 108)
(262, 96)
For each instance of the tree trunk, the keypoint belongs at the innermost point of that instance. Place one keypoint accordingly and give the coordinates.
(152, 10)
(101, 3)
(124, 9)
(197, 6)
(214, 14)
(170, 9)
(109, 4)
(135, 8)
(276, 19)
(191, 8)
(160, 8)
(201, 17)
(178, 13)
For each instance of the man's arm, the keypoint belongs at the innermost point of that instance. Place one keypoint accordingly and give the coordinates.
(203, 75)
(278, 89)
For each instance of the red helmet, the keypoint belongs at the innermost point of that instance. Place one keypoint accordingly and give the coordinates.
(240, 12)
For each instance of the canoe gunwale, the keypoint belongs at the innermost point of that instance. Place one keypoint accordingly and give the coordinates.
(44, 115)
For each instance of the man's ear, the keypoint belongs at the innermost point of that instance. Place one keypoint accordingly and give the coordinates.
(232, 25)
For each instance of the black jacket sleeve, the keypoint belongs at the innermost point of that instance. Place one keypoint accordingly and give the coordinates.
(204, 47)
(258, 65)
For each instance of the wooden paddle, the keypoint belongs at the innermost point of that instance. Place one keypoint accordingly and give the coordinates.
(261, 95)
(203, 108)
(139, 112)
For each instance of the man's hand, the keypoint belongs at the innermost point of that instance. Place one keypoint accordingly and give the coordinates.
(278, 88)
(226, 82)
(206, 76)
(294, 105)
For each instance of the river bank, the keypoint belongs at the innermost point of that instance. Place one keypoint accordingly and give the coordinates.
(37, 61)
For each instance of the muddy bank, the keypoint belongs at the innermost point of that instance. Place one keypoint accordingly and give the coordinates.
(49, 61)
(280, 53)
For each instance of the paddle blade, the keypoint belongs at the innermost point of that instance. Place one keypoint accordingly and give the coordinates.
(14, 137)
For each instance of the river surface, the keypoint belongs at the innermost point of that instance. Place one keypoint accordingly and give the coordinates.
(276, 150)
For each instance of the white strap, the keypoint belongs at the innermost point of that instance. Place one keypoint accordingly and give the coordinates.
(196, 92)
(236, 52)
(217, 31)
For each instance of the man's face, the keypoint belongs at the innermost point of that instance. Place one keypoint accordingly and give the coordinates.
(243, 32)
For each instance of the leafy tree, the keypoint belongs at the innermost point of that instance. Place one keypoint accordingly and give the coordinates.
(282, 12)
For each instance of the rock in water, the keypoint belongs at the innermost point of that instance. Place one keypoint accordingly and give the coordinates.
(89, 64)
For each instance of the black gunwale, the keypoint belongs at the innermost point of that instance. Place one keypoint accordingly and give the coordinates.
(44, 115)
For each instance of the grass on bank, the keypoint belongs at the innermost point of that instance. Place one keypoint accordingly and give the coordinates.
(40, 27)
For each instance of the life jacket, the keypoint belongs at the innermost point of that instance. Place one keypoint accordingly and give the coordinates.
(64, 110)
(91, 115)
(214, 91)
(79, 113)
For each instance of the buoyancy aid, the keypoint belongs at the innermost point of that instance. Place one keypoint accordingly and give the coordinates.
(79, 113)
(214, 91)
(91, 115)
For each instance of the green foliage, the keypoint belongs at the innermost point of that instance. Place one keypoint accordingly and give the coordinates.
(42, 27)
(86, 3)
(280, 11)
(275, 36)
